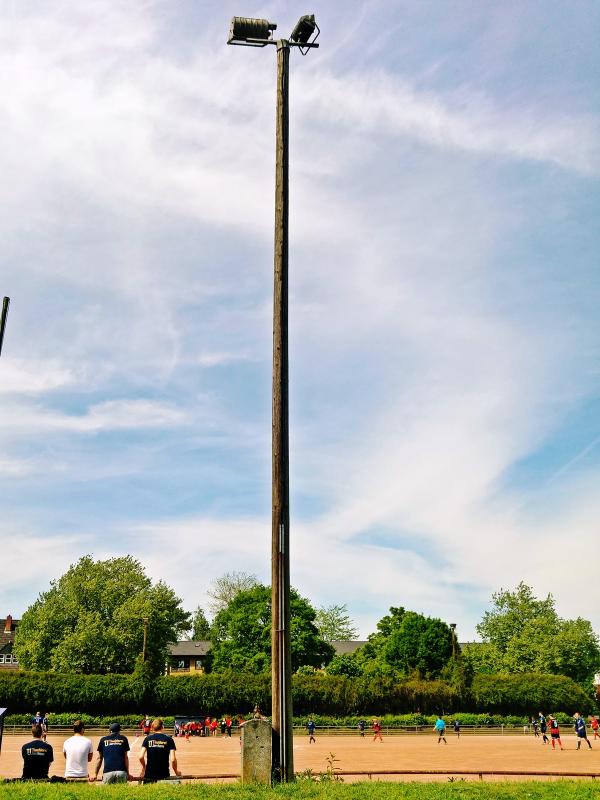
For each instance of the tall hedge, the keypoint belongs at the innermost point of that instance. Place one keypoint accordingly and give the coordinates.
(528, 693)
(335, 695)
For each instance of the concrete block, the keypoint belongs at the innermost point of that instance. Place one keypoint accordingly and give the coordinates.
(257, 737)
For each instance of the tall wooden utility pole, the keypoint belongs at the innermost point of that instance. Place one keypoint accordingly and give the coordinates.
(251, 32)
(283, 757)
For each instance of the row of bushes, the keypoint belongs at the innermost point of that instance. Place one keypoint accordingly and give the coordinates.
(65, 719)
(337, 696)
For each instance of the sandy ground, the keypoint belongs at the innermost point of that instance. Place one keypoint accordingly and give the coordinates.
(219, 756)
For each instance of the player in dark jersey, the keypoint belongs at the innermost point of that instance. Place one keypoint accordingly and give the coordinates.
(580, 730)
(555, 732)
(311, 730)
(157, 749)
(543, 727)
(362, 724)
(37, 756)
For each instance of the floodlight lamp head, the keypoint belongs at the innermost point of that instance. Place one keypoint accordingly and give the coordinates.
(251, 32)
(305, 27)
(303, 35)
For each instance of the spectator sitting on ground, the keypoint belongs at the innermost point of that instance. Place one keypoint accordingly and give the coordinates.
(154, 758)
(78, 752)
(37, 756)
(113, 750)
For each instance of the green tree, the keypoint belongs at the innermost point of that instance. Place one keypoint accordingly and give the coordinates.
(224, 589)
(406, 642)
(512, 612)
(419, 644)
(344, 664)
(524, 634)
(334, 623)
(200, 625)
(91, 620)
(241, 633)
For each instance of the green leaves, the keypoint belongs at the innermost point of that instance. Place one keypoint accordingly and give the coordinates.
(523, 634)
(405, 643)
(241, 633)
(200, 625)
(91, 620)
(334, 623)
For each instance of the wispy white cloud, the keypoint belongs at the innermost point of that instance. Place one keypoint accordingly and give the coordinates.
(381, 104)
(33, 376)
(111, 415)
(430, 353)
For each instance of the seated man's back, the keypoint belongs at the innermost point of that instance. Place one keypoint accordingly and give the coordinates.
(37, 756)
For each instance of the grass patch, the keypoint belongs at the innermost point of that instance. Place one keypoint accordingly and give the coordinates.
(555, 790)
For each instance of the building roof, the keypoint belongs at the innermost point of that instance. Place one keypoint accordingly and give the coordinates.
(193, 648)
(190, 648)
(6, 636)
(344, 647)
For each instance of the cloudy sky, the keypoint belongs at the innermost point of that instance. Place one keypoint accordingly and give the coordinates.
(444, 294)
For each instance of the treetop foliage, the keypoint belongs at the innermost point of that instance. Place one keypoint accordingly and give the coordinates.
(523, 634)
(333, 623)
(224, 589)
(241, 633)
(200, 625)
(405, 643)
(91, 620)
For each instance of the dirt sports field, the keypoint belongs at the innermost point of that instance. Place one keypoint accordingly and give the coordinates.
(217, 756)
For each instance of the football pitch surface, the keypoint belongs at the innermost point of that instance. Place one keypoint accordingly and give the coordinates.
(221, 756)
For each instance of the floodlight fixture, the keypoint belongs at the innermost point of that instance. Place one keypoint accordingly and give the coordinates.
(303, 34)
(251, 32)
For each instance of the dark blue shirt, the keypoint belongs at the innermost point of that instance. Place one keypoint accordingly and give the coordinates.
(37, 757)
(580, 727)
(157, 747)
(112, 749)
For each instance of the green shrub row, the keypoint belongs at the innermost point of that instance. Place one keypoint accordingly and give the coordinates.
(65, 719)
(326, 695)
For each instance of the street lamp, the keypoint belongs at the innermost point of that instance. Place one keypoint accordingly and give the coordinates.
(453, 629)
(145, 643)
(259, 33)
(5, 305)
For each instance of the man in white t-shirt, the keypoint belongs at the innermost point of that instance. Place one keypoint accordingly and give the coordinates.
(78, 752)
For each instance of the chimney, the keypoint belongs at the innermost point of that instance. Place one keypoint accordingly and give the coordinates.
(8, 624)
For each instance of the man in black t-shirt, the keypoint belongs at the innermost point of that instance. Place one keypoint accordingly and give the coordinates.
(37, 756)
(113, 750)
(155, 754)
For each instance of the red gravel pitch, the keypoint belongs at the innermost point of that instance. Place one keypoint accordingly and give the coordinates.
(218, 755)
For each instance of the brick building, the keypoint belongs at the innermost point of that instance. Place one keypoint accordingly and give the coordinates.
(7, 637)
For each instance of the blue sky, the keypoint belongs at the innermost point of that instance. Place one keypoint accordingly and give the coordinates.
(444, 287)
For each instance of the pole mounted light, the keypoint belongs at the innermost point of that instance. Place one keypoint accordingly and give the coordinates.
(454, 642)
(251, 32)
(5, 305)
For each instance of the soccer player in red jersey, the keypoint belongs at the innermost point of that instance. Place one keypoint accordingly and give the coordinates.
(377, 728)
(555, 733)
